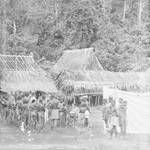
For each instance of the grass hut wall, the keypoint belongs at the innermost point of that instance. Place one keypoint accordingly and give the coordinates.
(21, 73)
(77, 82)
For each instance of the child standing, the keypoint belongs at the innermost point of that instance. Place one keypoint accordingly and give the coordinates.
(114, 121)
(86, 115)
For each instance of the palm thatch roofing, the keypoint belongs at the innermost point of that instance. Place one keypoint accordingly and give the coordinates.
(77, 82)
(21, 73)
(78, 59)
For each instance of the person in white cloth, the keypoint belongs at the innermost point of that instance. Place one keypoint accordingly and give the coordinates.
(54, 112)
(114, 122)
(122, 112)
(86, 115)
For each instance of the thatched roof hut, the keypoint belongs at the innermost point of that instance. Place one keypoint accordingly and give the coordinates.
(76, 82)
(78, 59)
(21, 73)
(79, 71)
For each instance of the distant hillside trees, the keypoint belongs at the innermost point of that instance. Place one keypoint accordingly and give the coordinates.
(118, 29)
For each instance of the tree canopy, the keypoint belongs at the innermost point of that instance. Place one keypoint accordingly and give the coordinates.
(119, 30)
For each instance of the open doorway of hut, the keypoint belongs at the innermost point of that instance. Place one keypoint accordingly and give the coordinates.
(94, 100)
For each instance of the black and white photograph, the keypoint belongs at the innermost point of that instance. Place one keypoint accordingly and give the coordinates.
(74, 74)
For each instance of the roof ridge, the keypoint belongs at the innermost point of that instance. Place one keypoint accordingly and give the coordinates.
(3, 55)
(82, 49)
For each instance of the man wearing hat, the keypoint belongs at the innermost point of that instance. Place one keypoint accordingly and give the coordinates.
(84, 102)
(84, 110)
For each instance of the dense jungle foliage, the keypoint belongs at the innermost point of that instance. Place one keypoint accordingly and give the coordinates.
(119, 30)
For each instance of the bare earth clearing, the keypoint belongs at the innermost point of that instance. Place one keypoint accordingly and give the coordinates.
(12, 138)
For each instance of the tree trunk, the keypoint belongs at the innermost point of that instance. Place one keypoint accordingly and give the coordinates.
(124, 10)
(56, 13)
(14, 35)
(14, 28)
(4, 29)
(140, 13)
(4, 35)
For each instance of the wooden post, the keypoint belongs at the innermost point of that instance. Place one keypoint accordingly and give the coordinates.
(66, 101)
(90, 100)
(74, 100)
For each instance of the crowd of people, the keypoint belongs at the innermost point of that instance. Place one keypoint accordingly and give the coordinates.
(114, 116)
(32, 111)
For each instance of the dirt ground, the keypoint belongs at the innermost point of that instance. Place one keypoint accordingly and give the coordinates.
(11, 138)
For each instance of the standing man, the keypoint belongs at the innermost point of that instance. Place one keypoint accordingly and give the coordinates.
(122, 110)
